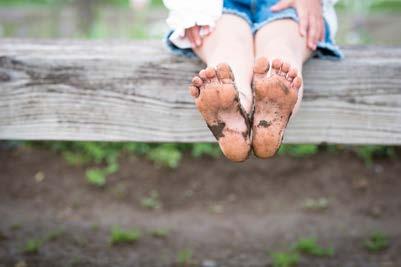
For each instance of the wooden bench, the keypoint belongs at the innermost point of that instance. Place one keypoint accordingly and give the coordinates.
(137, 91)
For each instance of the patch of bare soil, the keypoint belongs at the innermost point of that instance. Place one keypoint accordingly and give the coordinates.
(227, 214)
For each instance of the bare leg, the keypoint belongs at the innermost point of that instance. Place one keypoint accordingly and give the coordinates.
(281, 40)
(231, 42)
(279, 90)
(223, 103)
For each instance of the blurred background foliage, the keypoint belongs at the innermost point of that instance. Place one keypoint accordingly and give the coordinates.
(360, 21)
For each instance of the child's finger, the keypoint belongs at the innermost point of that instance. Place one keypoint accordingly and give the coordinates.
(196, 36)
(207, 30)
(319, 31)
(283, 4)
(323, 32)
(303, 22)
(312, 33)
(191, 37)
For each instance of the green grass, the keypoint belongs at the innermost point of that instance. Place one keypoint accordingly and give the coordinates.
(32, 246)
(369, 153)
(121, 236)
(285, 259)
(152, 201)
(309, 246)
(377, 242)
(98, 176)
(184, 257)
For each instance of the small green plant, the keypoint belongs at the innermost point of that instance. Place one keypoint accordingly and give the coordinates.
(75, 159)
(285, 259)
(160, 232)
(184, 257)
(201, 149)
(369, 153)
(167, 155)
(310, 247)
(32, 246)
(152, 201)
(377, 242)
(98, 176)
(120, 236)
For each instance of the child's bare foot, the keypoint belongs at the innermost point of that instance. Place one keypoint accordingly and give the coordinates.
(217, 100)
(275, 97)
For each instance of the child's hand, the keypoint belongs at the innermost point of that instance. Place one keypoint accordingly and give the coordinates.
(311, 22)
(196, 33)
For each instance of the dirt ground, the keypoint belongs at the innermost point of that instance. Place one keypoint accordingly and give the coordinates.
(227, 214)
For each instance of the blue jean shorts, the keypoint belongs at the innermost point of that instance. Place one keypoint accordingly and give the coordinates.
(257, 13)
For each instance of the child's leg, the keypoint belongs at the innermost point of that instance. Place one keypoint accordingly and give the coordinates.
(278, 93)
(231, 42)
(281, 40)
(221, 105)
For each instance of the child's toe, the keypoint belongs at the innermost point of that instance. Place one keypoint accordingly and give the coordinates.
(297, 82)
(224, 73)
(292, 73)
(285, 68)
(261, 66)
(276, 65)
(210, 73)
(194, 91)
(227, 95)
(202, 74)
(197, 82)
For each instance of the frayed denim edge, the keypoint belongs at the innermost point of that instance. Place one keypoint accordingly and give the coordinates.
(326, 50)
(185, 52)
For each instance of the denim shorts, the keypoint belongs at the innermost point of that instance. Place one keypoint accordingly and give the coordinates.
(257, 13)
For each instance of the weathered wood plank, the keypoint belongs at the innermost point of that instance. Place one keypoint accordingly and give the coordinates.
(81, 90)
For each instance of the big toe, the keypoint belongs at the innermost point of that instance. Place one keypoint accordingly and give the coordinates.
(276, 65)
(224, 73)
(297, 83)
(261, 65)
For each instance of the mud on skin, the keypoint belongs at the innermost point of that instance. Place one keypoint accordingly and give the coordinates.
(275, 95)
(217, 99)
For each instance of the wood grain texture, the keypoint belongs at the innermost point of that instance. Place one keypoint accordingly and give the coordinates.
(113, 91)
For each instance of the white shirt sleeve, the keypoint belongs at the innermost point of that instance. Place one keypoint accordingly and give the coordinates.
(184, 14)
